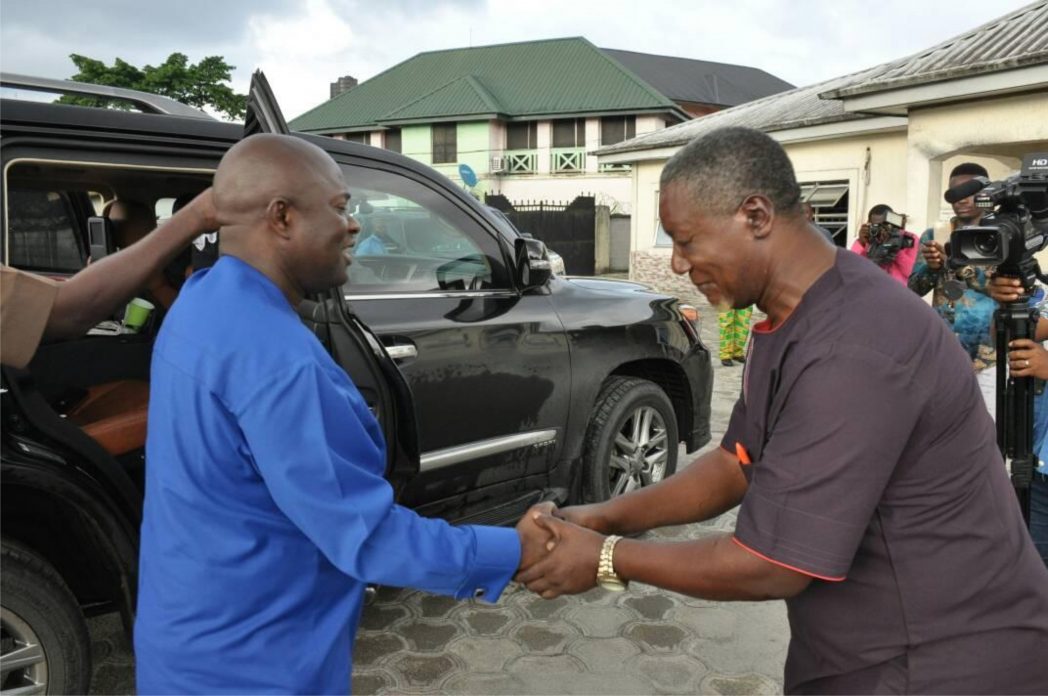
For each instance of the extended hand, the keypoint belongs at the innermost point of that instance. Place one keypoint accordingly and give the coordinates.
(535, 541)
(203, 207)
(1005, 289)
(1027, 358)
(933, 255)
(571, 567)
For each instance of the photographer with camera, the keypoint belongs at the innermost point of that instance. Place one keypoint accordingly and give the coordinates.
(960, 296)
(1029, 358)
(883, 241)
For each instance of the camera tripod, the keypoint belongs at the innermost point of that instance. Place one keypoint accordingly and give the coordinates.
(1015, 400)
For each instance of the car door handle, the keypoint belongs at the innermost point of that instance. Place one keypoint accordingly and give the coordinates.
(402, 351)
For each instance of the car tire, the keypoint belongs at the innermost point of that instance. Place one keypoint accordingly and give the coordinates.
(631, 440)
(43, 625)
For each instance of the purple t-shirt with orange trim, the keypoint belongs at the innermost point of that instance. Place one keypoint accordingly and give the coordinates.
(874, 469)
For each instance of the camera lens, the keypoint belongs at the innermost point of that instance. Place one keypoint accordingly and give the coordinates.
(985, 244)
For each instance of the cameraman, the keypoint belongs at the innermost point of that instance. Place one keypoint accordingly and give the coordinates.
(1028, 358)
(892, 248)
(960, 297)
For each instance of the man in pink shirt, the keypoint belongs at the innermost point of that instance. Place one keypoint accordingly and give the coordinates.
(890, 247)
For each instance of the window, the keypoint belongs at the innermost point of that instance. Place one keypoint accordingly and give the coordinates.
(829, 202)
(522, 136)
(412, 239)
(445, 143)
(357, 138)
(393, 140)
(615, 129)
(569, 132)
(43, 233)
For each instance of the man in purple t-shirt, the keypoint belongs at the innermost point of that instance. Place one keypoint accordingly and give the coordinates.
(873, 497)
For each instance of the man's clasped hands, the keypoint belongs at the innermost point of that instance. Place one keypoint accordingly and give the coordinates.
(560, 549)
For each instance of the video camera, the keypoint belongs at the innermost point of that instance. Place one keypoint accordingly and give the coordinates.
(886, 239)
(1014, 226)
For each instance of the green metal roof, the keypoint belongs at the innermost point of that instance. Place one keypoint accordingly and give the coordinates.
(521, 80)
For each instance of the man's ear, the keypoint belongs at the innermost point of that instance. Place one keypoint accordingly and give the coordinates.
(759, 214)
(278, 216)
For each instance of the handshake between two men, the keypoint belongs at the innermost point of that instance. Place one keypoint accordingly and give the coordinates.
(562, 553)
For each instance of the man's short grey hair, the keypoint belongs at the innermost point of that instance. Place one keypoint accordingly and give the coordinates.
(722, 168)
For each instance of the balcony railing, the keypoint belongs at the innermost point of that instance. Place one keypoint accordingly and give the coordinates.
(567, 160)
(521, 161)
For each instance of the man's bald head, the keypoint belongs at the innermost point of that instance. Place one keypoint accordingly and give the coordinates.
(266, 166)
(284, 209)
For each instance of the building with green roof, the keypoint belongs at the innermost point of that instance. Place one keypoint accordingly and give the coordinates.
(524, 116)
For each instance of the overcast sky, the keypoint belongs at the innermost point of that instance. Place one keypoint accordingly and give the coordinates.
(302, 45)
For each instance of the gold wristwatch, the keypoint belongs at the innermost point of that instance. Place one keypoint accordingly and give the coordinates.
(606, 575)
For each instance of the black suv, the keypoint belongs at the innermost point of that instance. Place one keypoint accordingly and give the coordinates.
(497, 384)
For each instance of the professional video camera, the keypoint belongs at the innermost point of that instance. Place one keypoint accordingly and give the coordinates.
(1014, 226)
(886, 239)
(1013, 229)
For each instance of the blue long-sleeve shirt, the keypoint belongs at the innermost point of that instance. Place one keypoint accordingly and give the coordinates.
(266, 510)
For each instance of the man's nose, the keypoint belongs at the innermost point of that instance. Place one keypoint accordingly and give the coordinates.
(352, 226)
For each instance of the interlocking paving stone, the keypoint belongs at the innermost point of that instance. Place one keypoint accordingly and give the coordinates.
(544, 638)
(434, 606)
(650, 607)
(366, 652)
(744, 685)
(382, 616)
(486, 654)
(604, 655)
(427, 637)
(415, 670)
(371, 682)
(488, 622)
(657, 636)
(539, 608)
(675, 674)
(599, 621)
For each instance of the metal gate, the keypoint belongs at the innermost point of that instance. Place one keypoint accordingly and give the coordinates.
(566, 228)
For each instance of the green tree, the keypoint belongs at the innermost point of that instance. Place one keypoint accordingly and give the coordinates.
(198, 85)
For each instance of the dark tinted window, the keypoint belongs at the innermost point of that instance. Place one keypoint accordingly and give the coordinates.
(615, 129)
(569, 132)
(358, 138)
(393, 140)
(522, 136)
(43, 232)
(445, 143)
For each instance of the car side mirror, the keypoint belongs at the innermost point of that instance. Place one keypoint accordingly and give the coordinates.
(100, 240)
(533, 267)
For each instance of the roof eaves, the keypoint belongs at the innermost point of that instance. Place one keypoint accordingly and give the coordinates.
(448, 118)
(872, 85)
(937, 76)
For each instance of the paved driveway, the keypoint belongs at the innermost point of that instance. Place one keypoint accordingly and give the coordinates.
(644, 641)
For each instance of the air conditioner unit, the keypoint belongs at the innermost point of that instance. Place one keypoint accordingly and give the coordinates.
(498, 165)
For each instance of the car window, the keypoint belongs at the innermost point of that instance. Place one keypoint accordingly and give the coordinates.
(413, 239)
(42, 232)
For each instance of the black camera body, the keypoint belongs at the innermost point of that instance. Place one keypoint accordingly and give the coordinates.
(1015, 226)
(887, 239)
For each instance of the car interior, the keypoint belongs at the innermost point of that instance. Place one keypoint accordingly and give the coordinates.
(98, 384)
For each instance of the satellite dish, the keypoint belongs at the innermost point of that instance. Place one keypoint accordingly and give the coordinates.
(469, 177)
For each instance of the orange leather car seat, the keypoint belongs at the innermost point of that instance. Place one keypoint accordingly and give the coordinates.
(114, 414)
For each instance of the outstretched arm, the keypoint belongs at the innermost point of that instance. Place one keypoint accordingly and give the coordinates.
(95, 292)
(712, 485)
